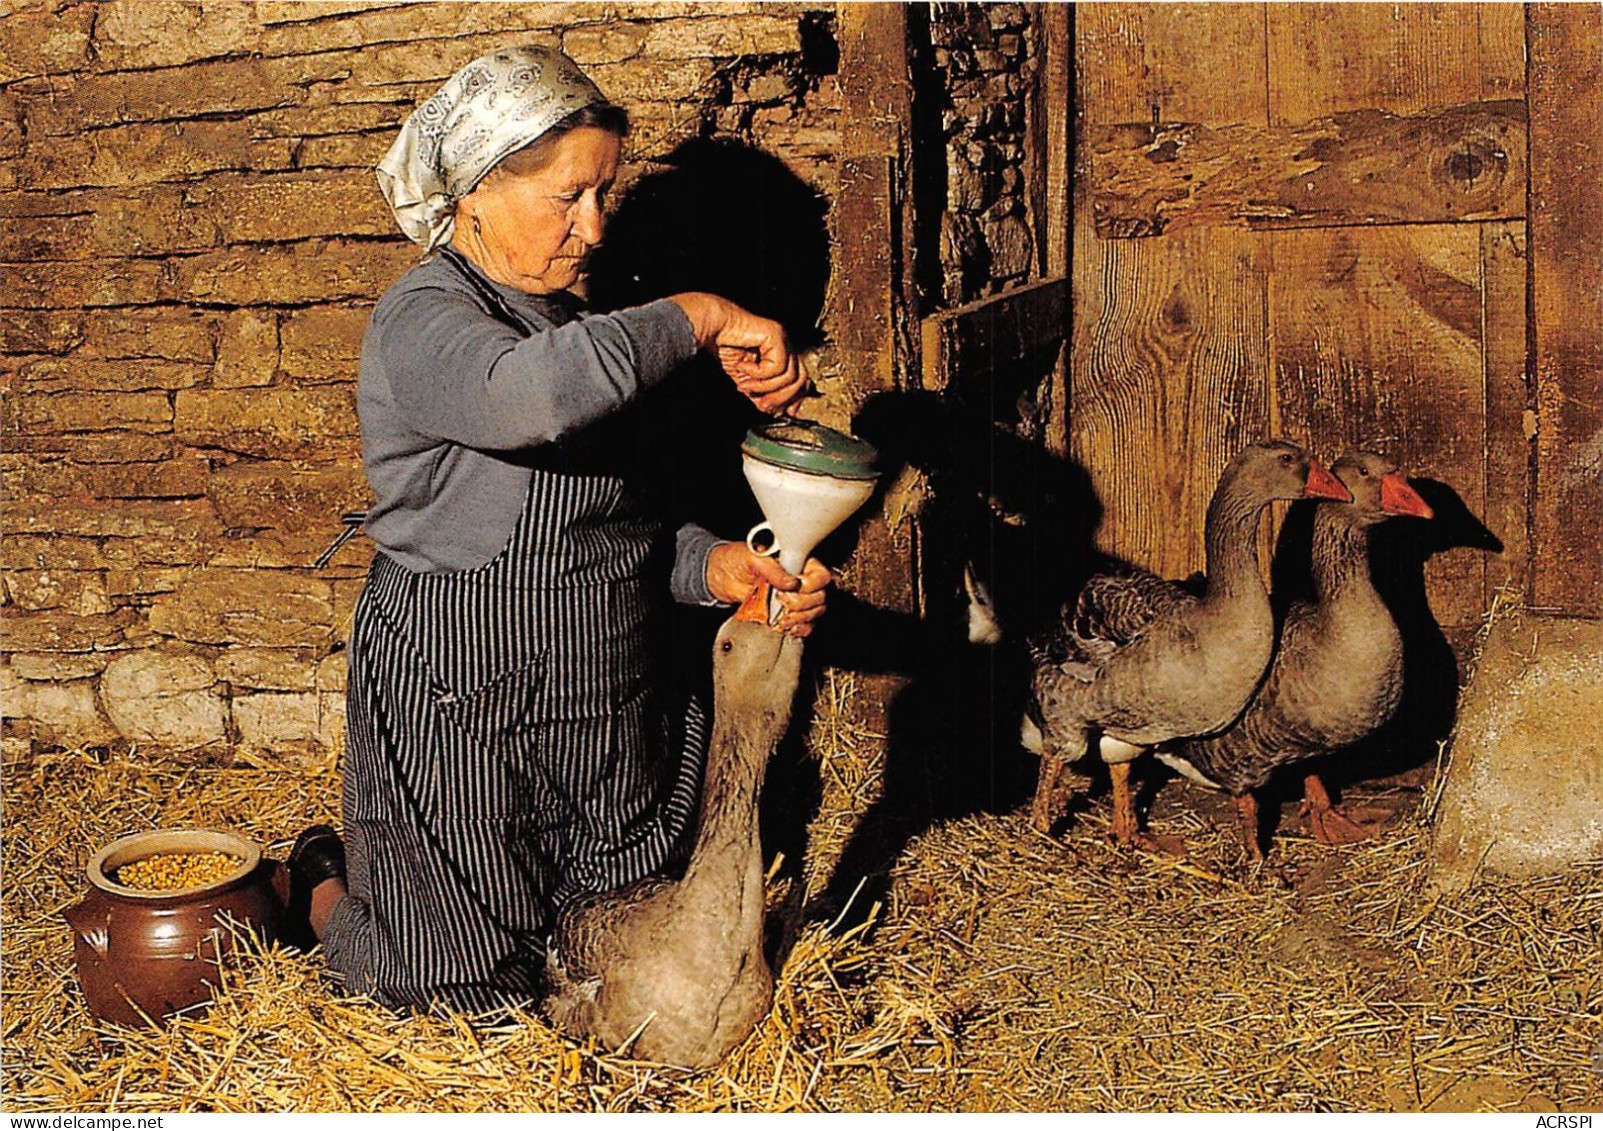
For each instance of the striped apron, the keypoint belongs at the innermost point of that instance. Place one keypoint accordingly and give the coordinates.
(516, 738)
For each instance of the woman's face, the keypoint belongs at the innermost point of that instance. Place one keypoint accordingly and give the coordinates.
(532, 228)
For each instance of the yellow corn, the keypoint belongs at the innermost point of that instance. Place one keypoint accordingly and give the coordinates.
(174, 871)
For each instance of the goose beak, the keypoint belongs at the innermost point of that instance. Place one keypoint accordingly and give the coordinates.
(755, 607)
(1323, 485)
(1397, 497)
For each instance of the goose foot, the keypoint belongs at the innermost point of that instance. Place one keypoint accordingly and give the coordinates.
(1127, 826)
(1247, 818)
(1174, 846)
(1326, 823)
(1052, 791)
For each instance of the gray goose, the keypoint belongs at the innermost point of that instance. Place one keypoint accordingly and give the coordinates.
(1141, 660)
(1337, 674)
(681, 961)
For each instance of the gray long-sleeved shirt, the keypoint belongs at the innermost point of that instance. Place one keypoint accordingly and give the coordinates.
(458, 373)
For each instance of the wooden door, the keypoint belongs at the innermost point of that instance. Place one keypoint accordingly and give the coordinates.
(1309, 220)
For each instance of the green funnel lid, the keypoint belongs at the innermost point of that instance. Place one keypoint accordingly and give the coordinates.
(801, 445)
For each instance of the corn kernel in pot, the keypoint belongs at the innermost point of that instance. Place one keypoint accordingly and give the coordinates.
(176, 871)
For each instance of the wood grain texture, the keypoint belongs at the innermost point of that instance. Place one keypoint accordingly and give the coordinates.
(1166, 382)
(1172, 62)
(870, 305)
(1377, 343)
(1566, 248)
(1357, 167)
(1327, 58)
(1509, 397)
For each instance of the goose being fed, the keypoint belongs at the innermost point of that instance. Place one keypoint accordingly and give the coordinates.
(680, 962)
(1337, 674)
(1140, 660)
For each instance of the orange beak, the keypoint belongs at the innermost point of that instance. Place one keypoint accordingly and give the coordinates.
(755, 607)
(1397, 497)
(1323, 485)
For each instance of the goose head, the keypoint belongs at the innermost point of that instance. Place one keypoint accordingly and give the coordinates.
(1276, 469)
(755, 670)
(1378, 489)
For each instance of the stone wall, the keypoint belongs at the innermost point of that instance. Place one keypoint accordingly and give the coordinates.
(192, 242)
(983, 54)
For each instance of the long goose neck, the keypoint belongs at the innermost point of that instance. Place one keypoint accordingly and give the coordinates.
(1231, 537)
(1341, 560)
(726, 864)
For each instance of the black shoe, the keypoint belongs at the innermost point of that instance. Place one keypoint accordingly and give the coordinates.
(318, 855)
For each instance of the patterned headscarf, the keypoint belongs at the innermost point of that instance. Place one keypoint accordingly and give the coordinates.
(492, 107)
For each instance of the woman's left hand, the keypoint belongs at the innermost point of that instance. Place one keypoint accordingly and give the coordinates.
(733, 571)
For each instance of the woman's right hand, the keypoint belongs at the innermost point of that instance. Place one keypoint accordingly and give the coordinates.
(751, 349)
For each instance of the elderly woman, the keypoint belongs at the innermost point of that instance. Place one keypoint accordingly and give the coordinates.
(514, 736)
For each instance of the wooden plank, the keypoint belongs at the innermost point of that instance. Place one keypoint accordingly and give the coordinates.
(1357, 167)
(1377, 343)
(1566, 249)
(1509, 419)
(1052, 107)
(981, 341)
(1172, 62)
(1328, 58)
(1166, 382)
(871, 315)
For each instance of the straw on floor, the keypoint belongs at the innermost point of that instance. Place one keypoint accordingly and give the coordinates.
(1005, 972)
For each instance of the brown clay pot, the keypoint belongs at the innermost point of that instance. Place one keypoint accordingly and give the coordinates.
(144, 955)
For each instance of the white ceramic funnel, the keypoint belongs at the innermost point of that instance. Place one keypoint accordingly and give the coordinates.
(802, 508)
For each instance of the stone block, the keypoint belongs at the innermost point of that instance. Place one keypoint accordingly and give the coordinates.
(45, 39)
(147, 34)
(212, 88)
(140, 583)
(350, 150)
(1524, 790)
(262, 607)
(40, 331)
(271, 423)
(718, 36)
(310, 272)
(603, 43)
(266, 495)
(277, 722)
(247, 350)
(59, 667)
(166, 699)
(64, 712)
(269, 669)
(118, 282)
(331, 673)
(292, 205)
(75, 591)
(83, 374)
(55, 630)
(175, 520)
(114, 447)
(1012, 249)
(11, 126)
(323, 342)
(93, 412)
(145, 154)
(174, 334)
(183, 477)
(52, 551)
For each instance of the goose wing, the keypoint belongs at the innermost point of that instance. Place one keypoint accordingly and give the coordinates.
(1115, 610)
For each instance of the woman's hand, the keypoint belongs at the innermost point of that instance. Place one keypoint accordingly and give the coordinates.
(733, 571)
(751, 349)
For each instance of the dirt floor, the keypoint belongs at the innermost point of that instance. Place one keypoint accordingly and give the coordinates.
(1003, 971)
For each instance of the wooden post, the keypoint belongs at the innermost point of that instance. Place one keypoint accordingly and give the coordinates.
(1564, 70)
(873, 313)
